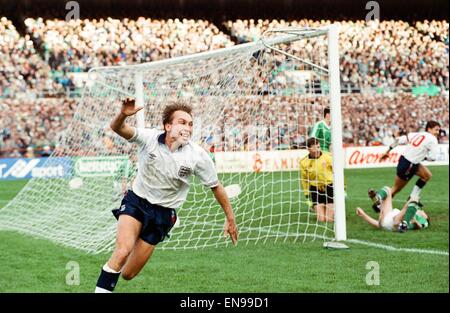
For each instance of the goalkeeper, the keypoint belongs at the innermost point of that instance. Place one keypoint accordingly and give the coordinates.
(392, 219)
(166, 161)
(316, 171)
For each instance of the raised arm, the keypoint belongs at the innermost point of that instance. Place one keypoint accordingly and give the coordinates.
(118, 124)
(397, 141)
(230, 227)
(360, 212)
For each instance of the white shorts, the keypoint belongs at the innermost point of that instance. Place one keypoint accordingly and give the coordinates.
(388, 220)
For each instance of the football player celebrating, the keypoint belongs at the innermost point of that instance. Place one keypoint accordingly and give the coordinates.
(166, 161)
(421, 146)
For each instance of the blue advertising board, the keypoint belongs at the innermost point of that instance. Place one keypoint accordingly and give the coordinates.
(22, 168)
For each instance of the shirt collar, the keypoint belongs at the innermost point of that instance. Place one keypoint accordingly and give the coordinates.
(162, 138)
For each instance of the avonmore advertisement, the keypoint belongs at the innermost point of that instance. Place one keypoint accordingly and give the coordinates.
(11, 169)
(369, 157)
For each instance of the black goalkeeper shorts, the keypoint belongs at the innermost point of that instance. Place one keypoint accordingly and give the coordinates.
(321, 196)
(157, 221)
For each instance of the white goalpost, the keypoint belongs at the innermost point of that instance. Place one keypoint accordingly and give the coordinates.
(336, 133)
(254, 105)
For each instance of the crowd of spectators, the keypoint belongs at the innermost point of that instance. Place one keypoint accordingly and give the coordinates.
(78, 45)
(31, 127)
(43, 60)
(23, 72)
(389, 54)
(386, 54)
(378, 119)
(376, 56)
(285, 121)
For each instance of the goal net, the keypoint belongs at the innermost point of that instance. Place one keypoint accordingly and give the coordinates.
(254, 106)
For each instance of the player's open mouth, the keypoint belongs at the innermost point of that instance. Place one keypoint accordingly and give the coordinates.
(185, 134)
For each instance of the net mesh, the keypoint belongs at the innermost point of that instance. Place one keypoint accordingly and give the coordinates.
(253, 109)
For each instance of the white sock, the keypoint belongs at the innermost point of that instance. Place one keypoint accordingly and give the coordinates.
(415, 192)
(106, 268)
(101, 290)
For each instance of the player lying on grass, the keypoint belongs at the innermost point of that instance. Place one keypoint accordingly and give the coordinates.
(421, 146)
(166, 161)
(392, 219)
(316, 175)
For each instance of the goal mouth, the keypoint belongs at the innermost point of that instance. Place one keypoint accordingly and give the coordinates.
(253, 110)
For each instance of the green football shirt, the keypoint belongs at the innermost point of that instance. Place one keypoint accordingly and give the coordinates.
(322, 132)
(421, 220)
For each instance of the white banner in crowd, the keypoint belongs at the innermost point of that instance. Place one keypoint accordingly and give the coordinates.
(288, 160)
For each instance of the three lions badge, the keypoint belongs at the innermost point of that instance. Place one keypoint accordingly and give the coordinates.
(184, 171)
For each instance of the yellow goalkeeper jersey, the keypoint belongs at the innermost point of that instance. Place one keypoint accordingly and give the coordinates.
(316, 172)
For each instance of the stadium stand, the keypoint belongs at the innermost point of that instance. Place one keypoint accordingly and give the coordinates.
(392, 72)
(23, 72)
(36, 123)
(387, 54)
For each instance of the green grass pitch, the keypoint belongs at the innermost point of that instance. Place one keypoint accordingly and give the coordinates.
(34, 265)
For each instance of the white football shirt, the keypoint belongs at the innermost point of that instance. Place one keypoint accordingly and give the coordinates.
(163, 177)
(388, 221)
(421, 146)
